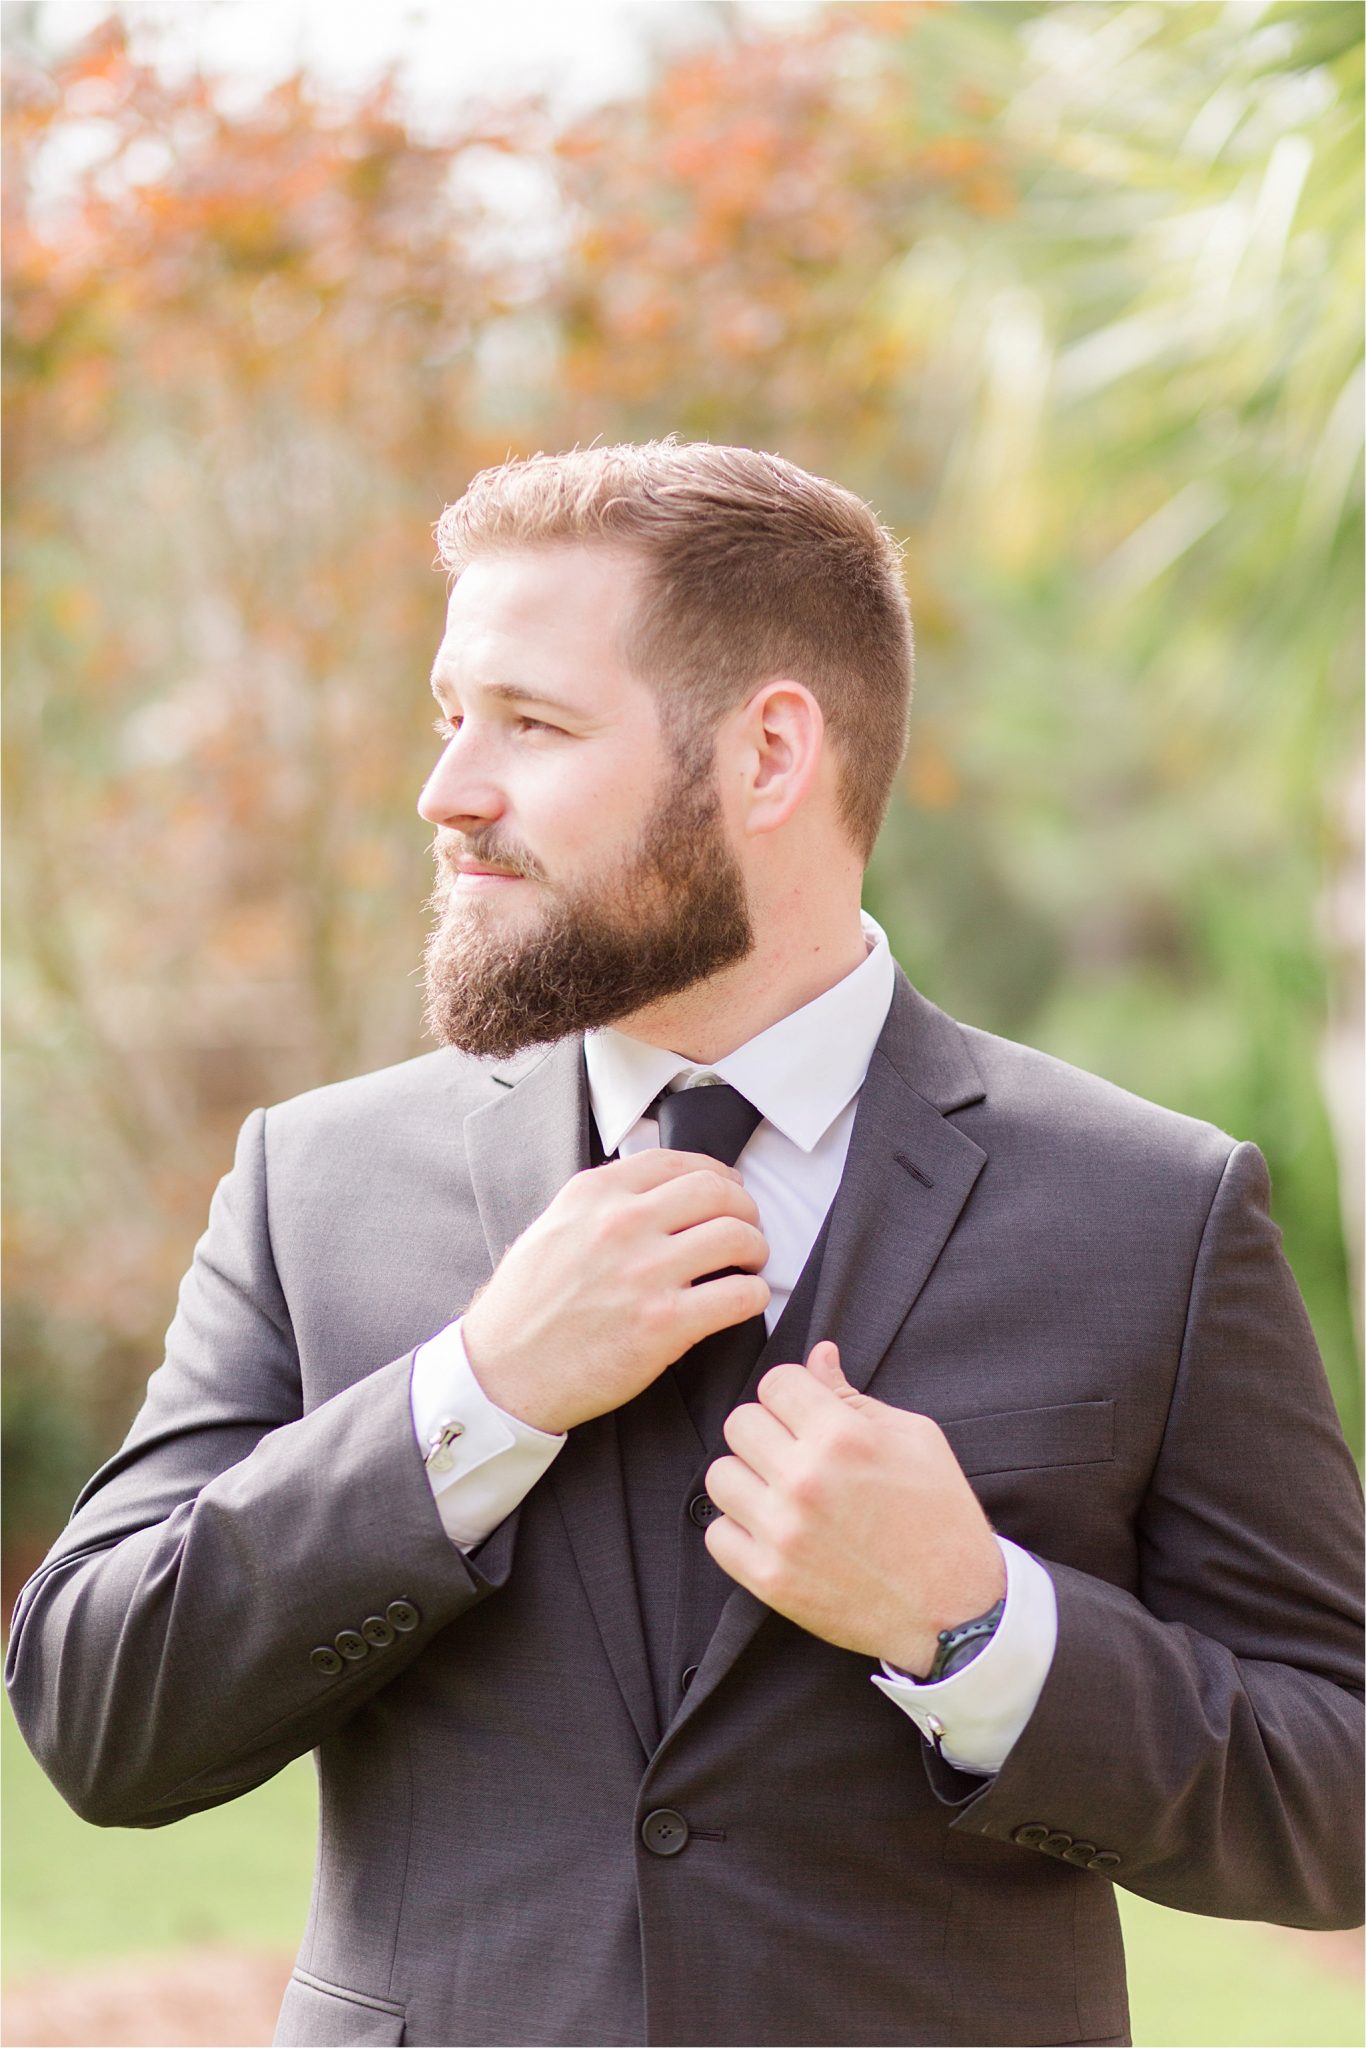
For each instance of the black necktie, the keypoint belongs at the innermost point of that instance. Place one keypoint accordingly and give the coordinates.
(713, 1118)
(716, 1119)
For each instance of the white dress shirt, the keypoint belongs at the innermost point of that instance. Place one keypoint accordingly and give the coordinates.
(803, 1074)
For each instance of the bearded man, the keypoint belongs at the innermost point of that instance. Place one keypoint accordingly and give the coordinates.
(767, 1502)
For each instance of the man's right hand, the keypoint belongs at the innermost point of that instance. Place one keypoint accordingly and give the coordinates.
(596, 1298)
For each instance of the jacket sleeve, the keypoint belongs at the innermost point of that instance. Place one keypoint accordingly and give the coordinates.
(179, 1643)
(1200, 1740)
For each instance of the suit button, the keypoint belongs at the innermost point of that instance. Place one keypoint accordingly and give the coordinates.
(1034, 1832)
(378, 1632)
(702, 1509)
(1080, 1852)
(664, 1832)
(403, 1615)
(352, 1646)
(1055, 1843)
(1106, 1860)
(688, 1676)
(325, 1660)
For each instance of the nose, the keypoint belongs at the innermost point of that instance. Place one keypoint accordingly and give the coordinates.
(459, 793)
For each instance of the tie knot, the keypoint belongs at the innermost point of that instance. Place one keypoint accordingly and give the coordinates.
(715, 1119)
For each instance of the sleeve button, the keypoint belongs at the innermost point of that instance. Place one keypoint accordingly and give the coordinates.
(1080, 1852)
(352, 1646)
(403, 1615)
(325, 1660)
(378, 1632)
(1056, 1843)
(1031, 1834)
(1106, 1860)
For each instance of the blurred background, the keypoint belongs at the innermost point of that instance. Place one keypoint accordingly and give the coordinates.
(1071, 292)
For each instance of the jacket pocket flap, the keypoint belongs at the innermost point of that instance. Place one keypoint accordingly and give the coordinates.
(316, 2014)
(1078, 1433)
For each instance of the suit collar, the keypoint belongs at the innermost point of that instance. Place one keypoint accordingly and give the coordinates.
(928, 1051)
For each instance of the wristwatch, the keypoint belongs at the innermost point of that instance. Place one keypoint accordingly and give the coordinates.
(958, 1646)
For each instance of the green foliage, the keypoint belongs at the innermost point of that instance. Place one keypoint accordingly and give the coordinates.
(46, 1441)
(1071, 292)
(1098, 356)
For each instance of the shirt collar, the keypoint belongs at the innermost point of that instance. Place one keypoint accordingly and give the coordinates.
(799, 1073)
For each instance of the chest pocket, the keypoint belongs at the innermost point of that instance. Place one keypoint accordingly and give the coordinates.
(1022, 1439)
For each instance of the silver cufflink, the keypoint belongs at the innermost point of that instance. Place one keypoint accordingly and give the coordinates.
(439, 1456)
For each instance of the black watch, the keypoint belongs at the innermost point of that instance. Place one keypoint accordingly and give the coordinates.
(958, 1646)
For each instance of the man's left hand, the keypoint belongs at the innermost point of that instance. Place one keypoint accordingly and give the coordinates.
(852, 1518)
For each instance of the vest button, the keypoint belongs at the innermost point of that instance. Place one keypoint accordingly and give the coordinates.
(664, 1832)
(688, 1676)
(702, 1509)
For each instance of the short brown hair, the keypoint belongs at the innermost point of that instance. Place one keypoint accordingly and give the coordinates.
(754, 569)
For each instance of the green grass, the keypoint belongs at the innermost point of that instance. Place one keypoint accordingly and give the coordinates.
(73, 1894)
(1196, 1983)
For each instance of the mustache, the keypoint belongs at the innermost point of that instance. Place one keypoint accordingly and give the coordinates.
(484, 848)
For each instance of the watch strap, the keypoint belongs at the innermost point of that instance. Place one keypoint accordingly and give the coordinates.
(958, 1646)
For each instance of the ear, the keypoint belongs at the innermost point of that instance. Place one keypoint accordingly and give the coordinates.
(777, 747)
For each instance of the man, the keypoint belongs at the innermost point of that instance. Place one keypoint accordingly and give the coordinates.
(767, 1509)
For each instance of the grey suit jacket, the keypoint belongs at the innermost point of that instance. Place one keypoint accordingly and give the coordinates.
(1084, 1290)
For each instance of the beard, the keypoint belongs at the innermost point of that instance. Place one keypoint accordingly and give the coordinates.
(672, 913)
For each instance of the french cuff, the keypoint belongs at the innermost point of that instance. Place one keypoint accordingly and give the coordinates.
(480, 1461)
(978, 1713)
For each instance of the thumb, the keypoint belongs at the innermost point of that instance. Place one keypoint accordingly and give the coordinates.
(823, 1364)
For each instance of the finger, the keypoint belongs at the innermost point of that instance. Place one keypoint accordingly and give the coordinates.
(657, 1164)
(718, 1304)
(738, 1492)
(691, 1198)
(797, 1398)
(734, 1549)
(760, 1439)
(713, 1247)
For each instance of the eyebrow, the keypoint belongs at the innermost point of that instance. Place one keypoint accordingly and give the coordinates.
(512, 693)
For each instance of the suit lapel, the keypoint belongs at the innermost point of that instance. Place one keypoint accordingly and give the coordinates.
(906, 1179)
(522, 1148)
(524, 1145)
(908, 1174)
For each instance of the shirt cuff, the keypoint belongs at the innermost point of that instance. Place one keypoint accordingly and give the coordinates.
(487, 1461)
(980, 1711)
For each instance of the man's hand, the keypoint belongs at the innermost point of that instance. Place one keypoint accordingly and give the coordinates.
(596, 1298)
(852, 1518)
